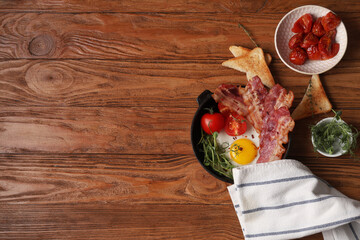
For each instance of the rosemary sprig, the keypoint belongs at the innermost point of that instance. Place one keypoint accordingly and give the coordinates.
(309, 95)
(327, 134)
(215, 155)
(247, 33)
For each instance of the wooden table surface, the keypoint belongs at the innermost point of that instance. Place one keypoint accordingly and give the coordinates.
(96, 103)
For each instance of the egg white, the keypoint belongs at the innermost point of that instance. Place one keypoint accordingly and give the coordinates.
(225, 140)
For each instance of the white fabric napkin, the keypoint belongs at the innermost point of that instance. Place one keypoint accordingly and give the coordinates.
(284, 200)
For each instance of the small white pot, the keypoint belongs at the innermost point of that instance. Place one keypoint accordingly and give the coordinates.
(337, 146)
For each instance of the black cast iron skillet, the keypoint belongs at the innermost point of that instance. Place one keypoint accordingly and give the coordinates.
(206, 101)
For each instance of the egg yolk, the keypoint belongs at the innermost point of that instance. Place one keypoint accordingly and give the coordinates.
(243, 151)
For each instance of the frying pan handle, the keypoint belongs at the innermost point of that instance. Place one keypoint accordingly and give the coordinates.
(203, 97)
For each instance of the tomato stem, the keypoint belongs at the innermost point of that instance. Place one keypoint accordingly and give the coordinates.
(210, 110)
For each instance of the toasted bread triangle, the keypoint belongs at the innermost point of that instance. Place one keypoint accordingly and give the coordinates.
(238, 51)
(314, 101)
(253, 64)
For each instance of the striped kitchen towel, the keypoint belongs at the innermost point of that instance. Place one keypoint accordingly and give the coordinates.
(284, 200)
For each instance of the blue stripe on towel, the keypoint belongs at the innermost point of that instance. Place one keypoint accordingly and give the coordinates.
(287, 205)
(353, 231)
(275, 181)
(290, 179)
(346, 220)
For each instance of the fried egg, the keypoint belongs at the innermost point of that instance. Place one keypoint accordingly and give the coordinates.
(242, 149)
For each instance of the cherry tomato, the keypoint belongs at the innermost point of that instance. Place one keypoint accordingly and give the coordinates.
(296, 40)
(318, 29)
(309, 40)
(224, 110)
(212, 122)
(331, 34)
(326, 43)
(235, 124)
(298, 56)
(313, 52)
(334, 51)
(303, 24)
(330, 21)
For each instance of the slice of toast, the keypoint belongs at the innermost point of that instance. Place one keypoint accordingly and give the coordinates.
(314, 101)
(238, 51)
(253, 64)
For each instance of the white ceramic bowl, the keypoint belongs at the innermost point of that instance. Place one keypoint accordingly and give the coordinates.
(283, 34)
(337, 147)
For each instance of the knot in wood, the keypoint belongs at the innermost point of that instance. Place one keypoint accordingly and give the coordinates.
(42, 45)
(50, 78)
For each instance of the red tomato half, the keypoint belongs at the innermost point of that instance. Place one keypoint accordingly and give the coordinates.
(313, 53)
(235, 124)
(303, 24)
(334, 51)
(318, 29)
(326, 44)
(212, 122)
(224, 110)
(296, 40)
(309, 40)
(330, 21)
(298, 56)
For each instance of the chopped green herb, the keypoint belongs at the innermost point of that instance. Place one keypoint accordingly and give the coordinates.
(215, 155)
(328, 135)
(237, 120)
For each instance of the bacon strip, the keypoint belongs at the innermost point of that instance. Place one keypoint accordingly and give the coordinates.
(268, 112)
(277, 98)
(274, 134)
(231, 96)
(254, 97)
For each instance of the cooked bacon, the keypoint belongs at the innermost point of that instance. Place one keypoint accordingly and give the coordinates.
(254, 97)
(268, 113)
(231, 96)
(277, 98)
(274, 134)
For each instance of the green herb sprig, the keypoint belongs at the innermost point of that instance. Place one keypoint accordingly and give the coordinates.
(247, 33)
(215, 155)
(325, 135)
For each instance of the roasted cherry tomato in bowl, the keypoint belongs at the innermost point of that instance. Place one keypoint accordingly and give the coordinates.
(298, 56)
(330, 21)
(333, 52)
(296, 40)
(309, 40)
(212, 122)
(286, 40)
(313, 52)
(235, 124)
(303, 24)
(318, 29)
(327, 46)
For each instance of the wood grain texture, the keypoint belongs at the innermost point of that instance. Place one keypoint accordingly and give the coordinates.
(110, 178)
(113, 221)
(141, 35)
(175, 6)
(124, 130)
(107, 83)
(135, 179)
(117, 221)
(145, 130)
(96, 103)
(123, 36)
